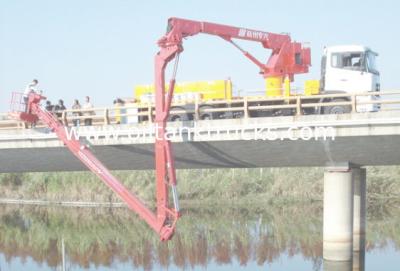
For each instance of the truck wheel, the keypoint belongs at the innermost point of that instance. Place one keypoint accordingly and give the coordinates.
(178, 117)
(338, 109)
(207, 115)
(287, 112)
(261, 114)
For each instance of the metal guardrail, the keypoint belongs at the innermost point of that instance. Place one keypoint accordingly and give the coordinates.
(245, 105)
(7, 123)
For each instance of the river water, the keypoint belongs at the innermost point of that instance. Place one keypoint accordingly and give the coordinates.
(217, 238)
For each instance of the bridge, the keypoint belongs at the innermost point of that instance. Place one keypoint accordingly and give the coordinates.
(359, 139)
(329, 140)
(343, 144)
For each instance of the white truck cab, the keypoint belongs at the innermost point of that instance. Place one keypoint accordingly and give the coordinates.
(350, 69)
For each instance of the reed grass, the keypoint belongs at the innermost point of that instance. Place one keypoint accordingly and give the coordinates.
(204, 186)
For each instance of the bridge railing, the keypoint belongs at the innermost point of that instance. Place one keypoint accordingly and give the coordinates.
(6, 123)
(131, 113)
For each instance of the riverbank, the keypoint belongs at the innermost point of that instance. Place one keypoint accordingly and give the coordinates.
(203, 187)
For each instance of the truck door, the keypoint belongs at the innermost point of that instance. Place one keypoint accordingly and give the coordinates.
(353, 72)
(346, 72)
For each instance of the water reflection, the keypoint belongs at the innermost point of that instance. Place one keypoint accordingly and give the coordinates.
(356, 264)
(359, 260)
(338, 265)
(236, 237)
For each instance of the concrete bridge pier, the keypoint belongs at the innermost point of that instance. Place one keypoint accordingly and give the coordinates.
(344, 212)
(359, 208)
(338, 214)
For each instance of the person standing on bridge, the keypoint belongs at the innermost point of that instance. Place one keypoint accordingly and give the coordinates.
(58, 108)
(88, 105)
(76, 106)
(30, 88)
(49, 107)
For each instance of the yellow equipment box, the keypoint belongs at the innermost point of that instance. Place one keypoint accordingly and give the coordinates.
(189, 91)
(311, 87)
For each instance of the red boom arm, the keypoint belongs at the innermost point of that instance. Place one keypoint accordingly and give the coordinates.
(163, 222)
(287, 58)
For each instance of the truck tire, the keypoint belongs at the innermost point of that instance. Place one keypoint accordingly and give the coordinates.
(261, 114)
(337, 109)
(207, 115)
(178, 117)
(287, 112)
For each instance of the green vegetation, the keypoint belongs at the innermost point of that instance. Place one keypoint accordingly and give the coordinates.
(203, 186)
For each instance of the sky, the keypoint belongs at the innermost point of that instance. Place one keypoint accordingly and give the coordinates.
(103, 48)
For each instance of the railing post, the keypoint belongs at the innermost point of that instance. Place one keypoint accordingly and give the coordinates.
(246, 107)
(298, 106)
(106, 117)
(64, 118)
(150, 113)
(196, 109)
(353, 104)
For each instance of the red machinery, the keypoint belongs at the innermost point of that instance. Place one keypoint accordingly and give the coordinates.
(163, 222)
(287, 58)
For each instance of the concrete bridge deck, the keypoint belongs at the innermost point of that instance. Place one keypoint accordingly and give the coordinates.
(361, 139)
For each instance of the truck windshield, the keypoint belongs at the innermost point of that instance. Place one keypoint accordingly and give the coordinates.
(349, 61)
(371, 62)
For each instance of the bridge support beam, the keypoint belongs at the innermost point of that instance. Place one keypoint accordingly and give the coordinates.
(359, 208)
(338, 214)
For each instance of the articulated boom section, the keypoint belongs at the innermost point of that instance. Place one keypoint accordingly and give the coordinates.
(163, 222)
(287, 57)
